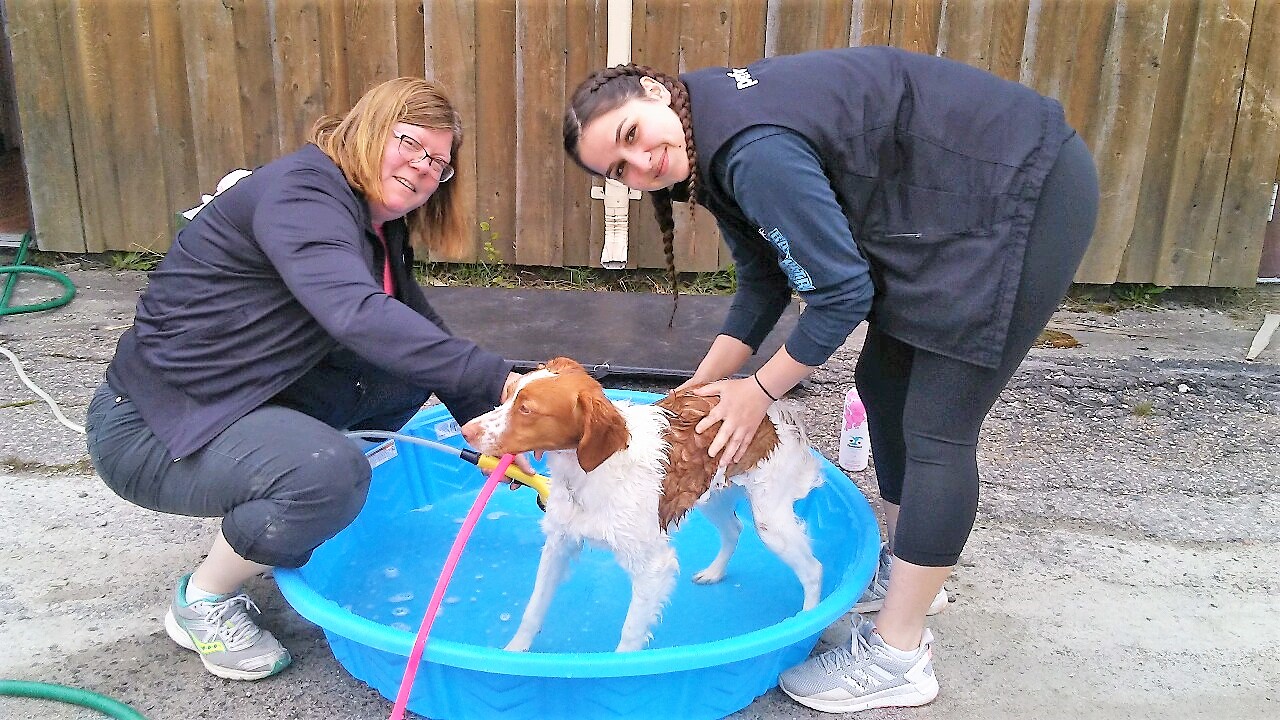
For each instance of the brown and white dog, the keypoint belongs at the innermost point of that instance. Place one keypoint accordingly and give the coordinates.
(622, 475)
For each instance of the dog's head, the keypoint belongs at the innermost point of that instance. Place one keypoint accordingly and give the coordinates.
(556, 407)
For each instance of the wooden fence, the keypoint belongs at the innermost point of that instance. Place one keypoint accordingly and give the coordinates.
(130, 109)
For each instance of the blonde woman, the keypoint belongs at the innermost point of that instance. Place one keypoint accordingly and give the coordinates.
(285, 313)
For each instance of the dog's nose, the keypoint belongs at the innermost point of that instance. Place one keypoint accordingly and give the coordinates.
(471, 431)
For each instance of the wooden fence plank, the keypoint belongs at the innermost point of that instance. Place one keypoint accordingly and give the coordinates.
(1009, 28)
(583, 220)
(256, 80)
(92, 124)
(803, 25)
(915, 25)
(660, 33)
(540, 81)
(1247, 197)
(705, 39)
(370, 27)
(746, 31)
(173, 114)
(1199, 150)
(964, 32)
(411, 36)
(42, 93)
(208, 33)
(870, 22)
(132, 153)
(301, 86)
(449, 57)
(333, 56)
(495, 135)
(1120, 131)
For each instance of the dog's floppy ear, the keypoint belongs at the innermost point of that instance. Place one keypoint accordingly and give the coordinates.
(604, 432)
(561, 365)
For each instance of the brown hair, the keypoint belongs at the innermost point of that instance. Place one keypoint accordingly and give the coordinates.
(607, 89)
(357, 140)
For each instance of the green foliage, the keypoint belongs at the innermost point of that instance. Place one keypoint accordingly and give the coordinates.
(1138, 296)
(145, 260)
(1143, 408)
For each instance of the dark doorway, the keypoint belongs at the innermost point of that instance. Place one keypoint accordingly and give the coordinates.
(15, 208)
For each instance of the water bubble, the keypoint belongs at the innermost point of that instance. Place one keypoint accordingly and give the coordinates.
(400, 597)
(391, 572)
(480, 577)
(401, 627)
(400, 611)
(504, 617)
(424, 508)
(496, 515)
(452, 600)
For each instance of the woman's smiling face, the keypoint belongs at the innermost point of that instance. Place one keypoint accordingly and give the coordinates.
(407, 185)
(639, 143)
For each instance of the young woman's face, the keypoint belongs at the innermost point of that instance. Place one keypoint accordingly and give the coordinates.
(640, 143)
(407, 178)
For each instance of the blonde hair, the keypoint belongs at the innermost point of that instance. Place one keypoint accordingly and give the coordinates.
(357, 141)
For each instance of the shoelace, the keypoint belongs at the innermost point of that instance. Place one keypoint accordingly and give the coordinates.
(847, 661)
(231, 619)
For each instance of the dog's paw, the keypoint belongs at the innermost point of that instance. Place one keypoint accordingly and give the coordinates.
(710, 576)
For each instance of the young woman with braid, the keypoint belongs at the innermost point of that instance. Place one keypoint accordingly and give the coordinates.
(946, 206)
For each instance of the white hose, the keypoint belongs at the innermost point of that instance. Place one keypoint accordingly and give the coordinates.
(43, 395)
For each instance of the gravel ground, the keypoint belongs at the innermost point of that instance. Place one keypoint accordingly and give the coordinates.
(1123, 563)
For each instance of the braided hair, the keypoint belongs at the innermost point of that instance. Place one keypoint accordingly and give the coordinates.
(608, 89)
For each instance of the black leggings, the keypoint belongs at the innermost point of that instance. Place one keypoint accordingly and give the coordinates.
(282, 481)
(924, 410)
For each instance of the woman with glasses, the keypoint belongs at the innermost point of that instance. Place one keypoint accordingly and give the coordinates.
(946, 206)
(285, 313)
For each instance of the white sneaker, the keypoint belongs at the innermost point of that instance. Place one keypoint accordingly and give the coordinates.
(873, 599)
(867, 674)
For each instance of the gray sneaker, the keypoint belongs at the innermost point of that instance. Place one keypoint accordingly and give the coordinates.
(863, 676)
(220, 629)
(872, 599)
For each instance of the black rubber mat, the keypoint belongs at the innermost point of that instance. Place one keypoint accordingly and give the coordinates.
(611, 333)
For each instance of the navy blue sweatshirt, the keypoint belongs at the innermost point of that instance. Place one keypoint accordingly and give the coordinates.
(935, 168)
(277, 272)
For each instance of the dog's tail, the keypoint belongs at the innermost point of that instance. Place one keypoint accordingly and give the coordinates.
(785, 415)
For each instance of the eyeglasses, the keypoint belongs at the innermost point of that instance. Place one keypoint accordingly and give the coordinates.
(413, 152)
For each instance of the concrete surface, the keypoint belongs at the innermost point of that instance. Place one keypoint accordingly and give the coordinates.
(1123, 564)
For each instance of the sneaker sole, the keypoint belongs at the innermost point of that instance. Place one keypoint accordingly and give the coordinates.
(910, 696)
(180, 636)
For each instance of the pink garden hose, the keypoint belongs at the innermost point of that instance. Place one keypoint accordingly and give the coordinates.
(451, 562)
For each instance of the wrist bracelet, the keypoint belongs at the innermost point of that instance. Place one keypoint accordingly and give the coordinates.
(762, 388)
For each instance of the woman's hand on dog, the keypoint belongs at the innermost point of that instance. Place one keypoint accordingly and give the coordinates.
(741, 408)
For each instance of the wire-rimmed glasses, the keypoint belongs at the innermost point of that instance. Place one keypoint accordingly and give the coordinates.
(413, 152)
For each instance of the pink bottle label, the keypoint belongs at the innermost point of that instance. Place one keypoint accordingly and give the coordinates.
(855, 413)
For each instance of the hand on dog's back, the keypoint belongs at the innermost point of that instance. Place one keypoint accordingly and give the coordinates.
(691, 469)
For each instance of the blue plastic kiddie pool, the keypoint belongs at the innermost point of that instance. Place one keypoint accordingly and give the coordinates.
(716, 649)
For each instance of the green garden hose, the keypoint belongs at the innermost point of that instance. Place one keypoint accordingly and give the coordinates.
(17, 267)
(71, 696)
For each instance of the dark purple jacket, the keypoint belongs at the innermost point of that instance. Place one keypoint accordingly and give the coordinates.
(270, 277)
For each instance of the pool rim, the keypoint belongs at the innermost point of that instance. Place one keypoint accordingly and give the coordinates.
(308, 603)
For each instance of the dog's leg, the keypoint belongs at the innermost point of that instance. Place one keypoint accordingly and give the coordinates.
(653, 577)
(784, 534)
(557, 553)
(719, 510)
